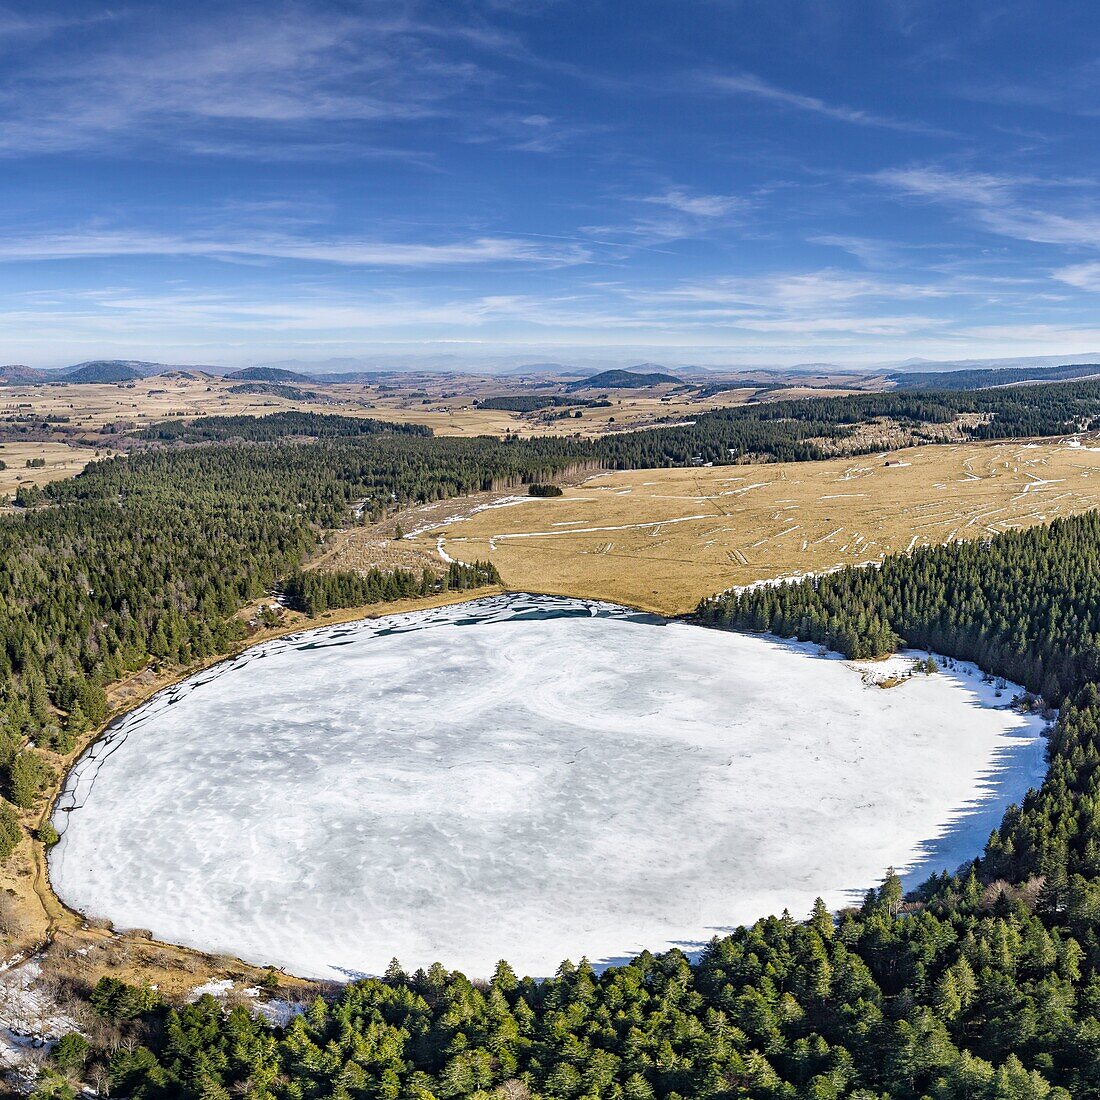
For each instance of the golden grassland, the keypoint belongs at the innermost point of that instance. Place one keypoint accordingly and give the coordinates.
(446, 405)
(630, 409)
(663, 539)
(61, 461)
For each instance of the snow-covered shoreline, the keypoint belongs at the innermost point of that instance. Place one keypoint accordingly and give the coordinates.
(595, 780)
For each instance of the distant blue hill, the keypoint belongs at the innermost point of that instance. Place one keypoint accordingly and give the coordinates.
(986, 377)
(267, 374)
(623, 380)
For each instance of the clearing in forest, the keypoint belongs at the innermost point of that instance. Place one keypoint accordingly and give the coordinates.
(58, 461)
(663, 539)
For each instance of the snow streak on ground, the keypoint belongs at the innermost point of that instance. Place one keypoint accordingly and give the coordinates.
(30, 1022)
(523, 777)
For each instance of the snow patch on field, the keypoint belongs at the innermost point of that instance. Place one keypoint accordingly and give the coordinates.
(524, 777)
(216, 987)
(30, 1021)
(469, 513)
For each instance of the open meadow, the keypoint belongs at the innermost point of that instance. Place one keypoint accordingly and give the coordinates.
(59, 460)
(446, 404)
(663, 539)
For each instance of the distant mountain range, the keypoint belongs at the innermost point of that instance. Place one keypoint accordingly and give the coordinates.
(1030, 362)
(99, 370)
(907, 374)
(109, 371)
(16, 373)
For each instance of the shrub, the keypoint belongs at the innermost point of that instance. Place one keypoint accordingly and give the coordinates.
(71, 1052)
(10, 831)
(28, 774)
(115, 1000)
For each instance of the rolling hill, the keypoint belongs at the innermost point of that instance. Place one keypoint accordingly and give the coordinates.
(624, 380)
(267, 374)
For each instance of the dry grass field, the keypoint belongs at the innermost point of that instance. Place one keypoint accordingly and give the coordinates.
(662, 539)
(444, 404)
(141, 403)
(61, 461)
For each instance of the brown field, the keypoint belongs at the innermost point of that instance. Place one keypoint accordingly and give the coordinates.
(61, 461)
(443, 404)
(662, 539)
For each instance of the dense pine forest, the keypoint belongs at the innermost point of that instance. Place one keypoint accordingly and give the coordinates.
(148, 557)
(207, 429)
(986, 986)
(314, 592)
(981, 377)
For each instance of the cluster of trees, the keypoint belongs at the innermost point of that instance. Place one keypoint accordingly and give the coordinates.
(814, 428)
(149, 556)
(794, 430)
(277, 389)
(314, 592)
(1040, 626)
(990, 376)
(280, 425)
(525, 403)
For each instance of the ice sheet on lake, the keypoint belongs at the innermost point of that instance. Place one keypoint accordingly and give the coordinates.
(523, 777)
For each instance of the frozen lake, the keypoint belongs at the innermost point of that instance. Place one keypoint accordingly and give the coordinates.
(525, 778)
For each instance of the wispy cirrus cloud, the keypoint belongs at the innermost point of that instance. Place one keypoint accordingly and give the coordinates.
(673, 214)
(797, 314)
(793, 292)
(234, 78)
(1080, 276)
(753, 87)
(344, 251)
(697, 204)
(584, 312)
(870, 251)
(18, 26)
(1060, 211)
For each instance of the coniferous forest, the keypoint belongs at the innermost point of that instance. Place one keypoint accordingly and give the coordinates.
(985, 985)
(1043, 631)
(314, 592)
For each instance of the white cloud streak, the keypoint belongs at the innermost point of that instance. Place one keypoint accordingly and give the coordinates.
(695, 204)
(999, 206)
(753, 87)
(243, 75)
(343, 251)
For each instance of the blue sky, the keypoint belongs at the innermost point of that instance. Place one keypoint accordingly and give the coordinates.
(713, 181)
